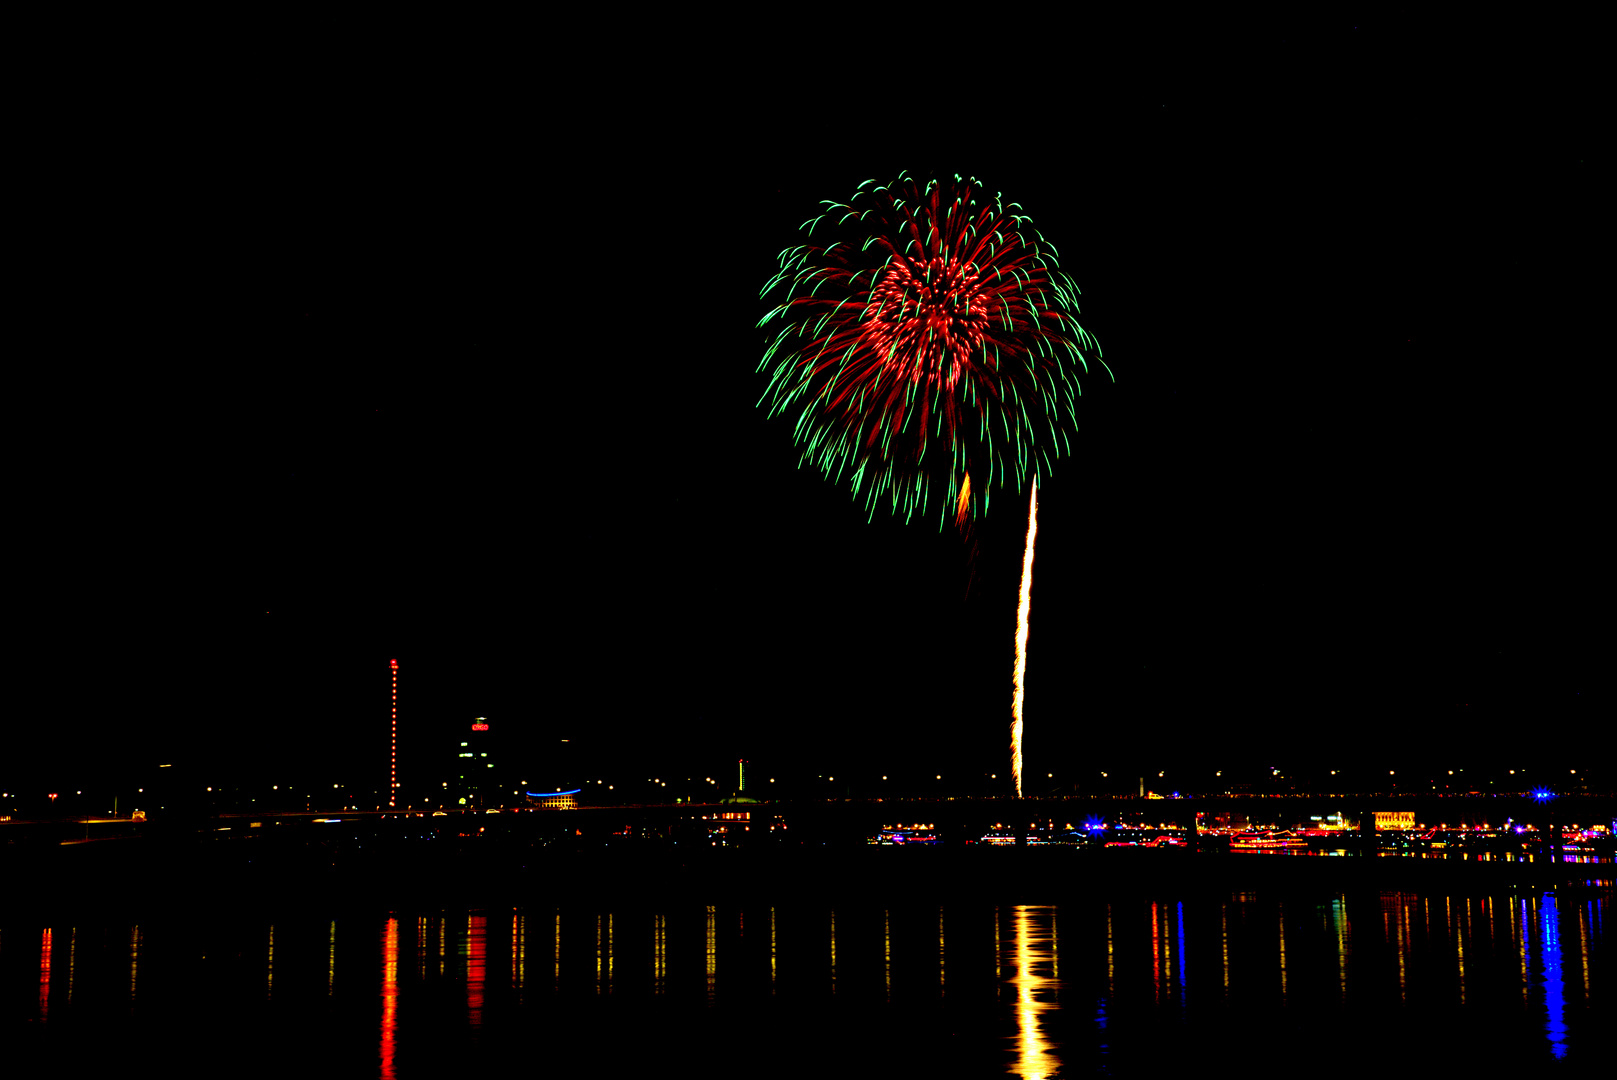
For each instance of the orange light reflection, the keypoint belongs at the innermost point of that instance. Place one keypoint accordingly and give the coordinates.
(390, 995)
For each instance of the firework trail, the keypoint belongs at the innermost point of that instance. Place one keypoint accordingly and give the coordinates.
(926, 342)
(1023, 605)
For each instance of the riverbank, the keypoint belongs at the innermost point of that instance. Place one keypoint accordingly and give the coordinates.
(132, 875)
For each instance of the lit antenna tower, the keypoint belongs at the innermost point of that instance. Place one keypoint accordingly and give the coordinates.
(393, 745)
(741, 775)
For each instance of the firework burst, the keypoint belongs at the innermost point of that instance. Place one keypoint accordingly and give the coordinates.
(927, 343)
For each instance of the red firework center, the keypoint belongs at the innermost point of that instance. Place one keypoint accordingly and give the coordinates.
(964, 301)
(935, 317)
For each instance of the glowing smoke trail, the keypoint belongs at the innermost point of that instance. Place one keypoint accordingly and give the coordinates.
(1022, 607)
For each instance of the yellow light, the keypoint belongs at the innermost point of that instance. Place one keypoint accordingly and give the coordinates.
(1024, 602)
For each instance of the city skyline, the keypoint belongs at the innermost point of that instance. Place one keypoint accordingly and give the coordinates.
(429, 640)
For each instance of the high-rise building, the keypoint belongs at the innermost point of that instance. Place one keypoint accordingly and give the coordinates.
(474, 764)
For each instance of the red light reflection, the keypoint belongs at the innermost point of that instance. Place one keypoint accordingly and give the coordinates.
(45, 972)
(390, 996)
(476, 966)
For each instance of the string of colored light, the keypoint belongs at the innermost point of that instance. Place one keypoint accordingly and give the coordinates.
(393, 744)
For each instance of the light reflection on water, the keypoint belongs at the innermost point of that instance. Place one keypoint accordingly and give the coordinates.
(1549, 953)
(45, 974)
(475, 949)
(1040, 990)
(390, 996)
(1032, 953)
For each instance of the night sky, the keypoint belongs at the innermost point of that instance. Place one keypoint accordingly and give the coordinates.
(469, 380)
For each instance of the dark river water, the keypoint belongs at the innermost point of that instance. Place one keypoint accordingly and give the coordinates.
(1331, 984)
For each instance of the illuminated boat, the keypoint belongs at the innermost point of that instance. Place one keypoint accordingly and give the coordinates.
(1282, 840)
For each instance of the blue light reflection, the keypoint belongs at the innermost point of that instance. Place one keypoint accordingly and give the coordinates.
(1554, 988)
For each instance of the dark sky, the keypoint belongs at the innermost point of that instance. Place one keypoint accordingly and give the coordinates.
(468, 379)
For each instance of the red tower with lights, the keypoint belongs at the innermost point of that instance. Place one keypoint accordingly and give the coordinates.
(393, 745)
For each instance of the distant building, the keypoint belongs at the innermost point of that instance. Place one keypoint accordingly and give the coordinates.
(474, 765)
(1394, 819)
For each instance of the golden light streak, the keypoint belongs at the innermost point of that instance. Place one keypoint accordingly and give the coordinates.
(963, 504)
(712, 953)
(1035, 1059)
(1281, 920)
(1224, 912)
(833, 951)
(1111, 965)
(1459, 945)
(659, 954)
(1023, 604)
(134, 959)
(519, 949)
(1583, 949)
(1157, 962)
(1521, 951)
